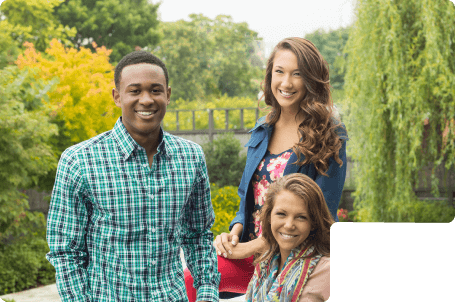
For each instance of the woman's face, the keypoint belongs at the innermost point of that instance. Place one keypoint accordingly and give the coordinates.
(287, 81)
(290, 221)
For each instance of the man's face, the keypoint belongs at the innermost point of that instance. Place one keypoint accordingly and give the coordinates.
(143, 96)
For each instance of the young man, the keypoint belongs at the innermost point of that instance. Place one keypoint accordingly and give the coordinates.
(125, 201)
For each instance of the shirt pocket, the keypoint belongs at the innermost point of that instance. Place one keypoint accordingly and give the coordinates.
(253, 142)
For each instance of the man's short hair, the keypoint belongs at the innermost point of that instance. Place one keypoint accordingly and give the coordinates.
(138, 57)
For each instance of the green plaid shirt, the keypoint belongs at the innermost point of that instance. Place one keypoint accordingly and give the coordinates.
(116, 224)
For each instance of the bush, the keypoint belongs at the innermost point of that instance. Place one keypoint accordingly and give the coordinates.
(225, 203)
(419, 211)
(224, 164)
(22, 258)
(430, 211)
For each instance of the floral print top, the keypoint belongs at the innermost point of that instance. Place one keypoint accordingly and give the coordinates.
(269, 169)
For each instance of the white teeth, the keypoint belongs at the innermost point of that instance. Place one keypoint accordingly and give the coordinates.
(286, 93)
(287, 236)
(144, 113)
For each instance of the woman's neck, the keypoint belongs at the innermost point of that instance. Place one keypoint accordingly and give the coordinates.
(283, 257)
(290, 119)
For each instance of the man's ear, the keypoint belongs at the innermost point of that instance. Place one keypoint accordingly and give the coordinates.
(116, 97)
(168, 95)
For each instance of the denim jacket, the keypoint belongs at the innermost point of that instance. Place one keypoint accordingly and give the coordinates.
(331, 186)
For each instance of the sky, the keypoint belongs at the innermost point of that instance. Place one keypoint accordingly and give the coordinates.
(272, 20)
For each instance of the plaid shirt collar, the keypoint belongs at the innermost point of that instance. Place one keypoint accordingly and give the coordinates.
(127, 144)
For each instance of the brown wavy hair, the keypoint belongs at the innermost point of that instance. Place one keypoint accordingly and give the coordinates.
(318, 140)
(305, 188)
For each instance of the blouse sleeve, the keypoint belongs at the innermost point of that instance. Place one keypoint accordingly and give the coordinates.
(317, 288)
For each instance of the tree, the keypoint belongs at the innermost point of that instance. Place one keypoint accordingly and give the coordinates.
(82, 99)
(117, 25)
(26, 156)
(9, 49)
(400, 75)
(331, 45)
(33, 21)
(25, 152)
(206, 56)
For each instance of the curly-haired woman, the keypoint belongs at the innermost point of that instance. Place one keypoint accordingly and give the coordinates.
(300, 134)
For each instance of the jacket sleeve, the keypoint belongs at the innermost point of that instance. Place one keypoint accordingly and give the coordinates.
(240, 215)
(66, 230)
(332, 185)
(243, 186)
(257, 137)
(197, 242)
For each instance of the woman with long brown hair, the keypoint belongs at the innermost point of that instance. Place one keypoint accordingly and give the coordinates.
(296, 227)
(300, 134)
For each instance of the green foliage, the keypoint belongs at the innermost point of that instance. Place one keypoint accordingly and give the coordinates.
(331, 45)
(115, 24)
(219, 116)
(9, 48)
(22, 255)
(224, 164)
(33, 21)
(417, 211)
(25, 154)
(400, 71)
(206, 57)
(225, 203)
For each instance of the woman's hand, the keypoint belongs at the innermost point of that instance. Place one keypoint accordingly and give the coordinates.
(225, 244)
(241, 251)
(238, 250)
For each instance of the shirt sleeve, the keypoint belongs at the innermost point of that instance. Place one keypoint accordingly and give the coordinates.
(66, 229)
(332, 185)
(197, 241)
(317, 288)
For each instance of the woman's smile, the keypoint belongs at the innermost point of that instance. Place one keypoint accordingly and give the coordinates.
(286, 94)
(286, 236)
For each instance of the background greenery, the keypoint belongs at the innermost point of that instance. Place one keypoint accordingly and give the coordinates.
(392, 73)
(400, 75)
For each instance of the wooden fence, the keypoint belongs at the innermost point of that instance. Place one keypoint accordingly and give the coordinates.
(211, 131)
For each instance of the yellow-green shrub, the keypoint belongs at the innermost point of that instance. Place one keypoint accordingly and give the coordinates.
(225, 203)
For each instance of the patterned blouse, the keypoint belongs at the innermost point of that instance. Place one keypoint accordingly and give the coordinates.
(269, 169)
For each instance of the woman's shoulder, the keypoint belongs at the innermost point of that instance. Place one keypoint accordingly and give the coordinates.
(261, 122)
(317, 287)
(340, 128)
(323, 263)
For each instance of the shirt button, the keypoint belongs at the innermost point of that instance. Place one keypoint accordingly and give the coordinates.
(153, 262)
(151, 196)
(153, 230)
